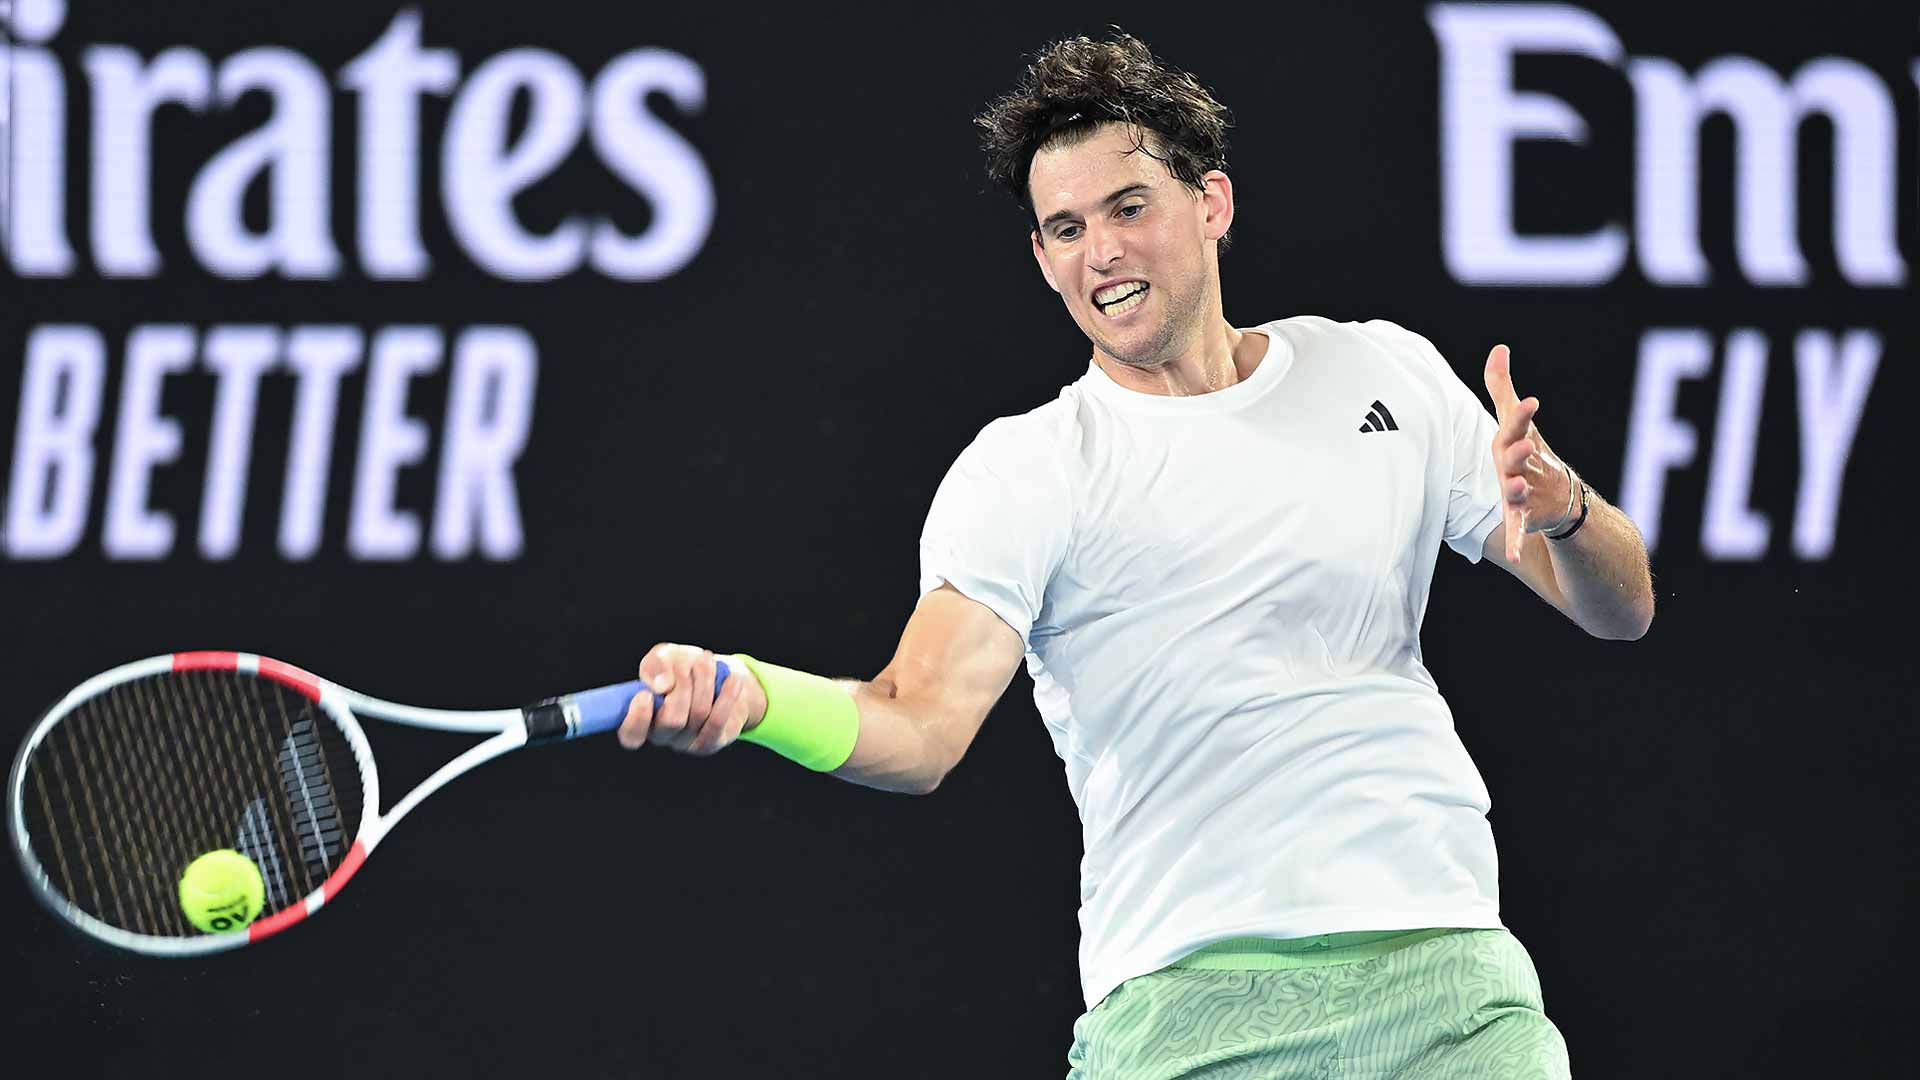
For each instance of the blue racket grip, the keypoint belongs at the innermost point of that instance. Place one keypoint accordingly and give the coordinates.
(602, 709)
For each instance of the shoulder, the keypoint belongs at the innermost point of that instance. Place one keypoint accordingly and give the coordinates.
(1018, 467)
(1012, 478)
(1039, 437)
(1376, 336)
(1375, 342)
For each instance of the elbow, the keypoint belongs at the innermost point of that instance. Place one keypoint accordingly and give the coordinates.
(925, 783)
(934, 770)
(1631, 628)
(903, 783)
(943, 742)
(1632, 633)
(1642, 618)
(929, 779)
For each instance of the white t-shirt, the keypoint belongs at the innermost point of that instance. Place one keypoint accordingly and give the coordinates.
(1221, 600)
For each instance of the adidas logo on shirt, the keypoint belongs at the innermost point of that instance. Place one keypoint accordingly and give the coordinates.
(1379, 419)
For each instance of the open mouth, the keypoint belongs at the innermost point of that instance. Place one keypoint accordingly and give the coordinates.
(1117, 300)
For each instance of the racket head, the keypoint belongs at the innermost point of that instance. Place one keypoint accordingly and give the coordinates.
(142, 768)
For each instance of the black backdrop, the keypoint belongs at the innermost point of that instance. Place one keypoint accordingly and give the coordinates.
(1707, 836)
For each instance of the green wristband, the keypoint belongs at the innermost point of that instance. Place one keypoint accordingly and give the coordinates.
(809, 720)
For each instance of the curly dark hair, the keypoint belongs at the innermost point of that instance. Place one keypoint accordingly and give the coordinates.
(1073, 86)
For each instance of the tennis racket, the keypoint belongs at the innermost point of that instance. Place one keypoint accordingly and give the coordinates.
(141, 769)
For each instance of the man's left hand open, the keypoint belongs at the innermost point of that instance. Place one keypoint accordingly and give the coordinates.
(1534, 484)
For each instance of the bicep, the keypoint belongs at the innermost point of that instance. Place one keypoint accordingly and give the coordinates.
(954, 660)
(1535, 568)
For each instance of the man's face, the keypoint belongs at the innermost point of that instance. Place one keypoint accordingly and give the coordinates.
(1126, 245)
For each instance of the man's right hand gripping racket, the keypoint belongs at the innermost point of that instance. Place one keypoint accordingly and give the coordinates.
(141, 770)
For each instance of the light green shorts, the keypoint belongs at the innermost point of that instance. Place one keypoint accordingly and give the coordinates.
(1412, 1005)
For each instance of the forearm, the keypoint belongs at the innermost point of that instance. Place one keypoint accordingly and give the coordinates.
(898, 748)
(1602, 572)
(909, 725)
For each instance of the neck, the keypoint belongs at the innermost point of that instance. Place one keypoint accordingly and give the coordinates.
(1219, 357)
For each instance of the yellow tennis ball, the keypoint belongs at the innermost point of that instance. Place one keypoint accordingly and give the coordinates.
(222, 890)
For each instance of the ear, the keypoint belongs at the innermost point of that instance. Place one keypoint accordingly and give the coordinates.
(1218, 202)
(1040, 256)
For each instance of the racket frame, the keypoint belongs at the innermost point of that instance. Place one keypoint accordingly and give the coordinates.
(506, 730)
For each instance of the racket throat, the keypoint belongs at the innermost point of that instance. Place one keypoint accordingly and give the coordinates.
(553, 720)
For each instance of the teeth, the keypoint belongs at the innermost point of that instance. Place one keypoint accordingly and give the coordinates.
(1113, 292)
(1132, 301)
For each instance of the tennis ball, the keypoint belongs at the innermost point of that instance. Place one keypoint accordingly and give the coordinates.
(222, 890)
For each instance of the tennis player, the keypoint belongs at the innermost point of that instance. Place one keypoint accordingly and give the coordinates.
(1213, 551)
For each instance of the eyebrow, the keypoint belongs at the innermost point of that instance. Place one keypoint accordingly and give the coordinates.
(1108, 201)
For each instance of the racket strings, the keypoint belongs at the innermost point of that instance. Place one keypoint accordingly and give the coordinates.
(155, 792)
(163, 789)
(87, 772)
(128, 801)
(262, 834)
(135, 783)
(67, 802)
(95, 827)
(307, 783)
(206, 790)
(305, 820)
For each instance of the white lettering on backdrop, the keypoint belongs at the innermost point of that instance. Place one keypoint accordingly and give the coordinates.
(1483, 115)
(78, 392)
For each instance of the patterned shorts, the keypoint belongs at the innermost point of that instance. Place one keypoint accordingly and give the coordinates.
(1418, 1005)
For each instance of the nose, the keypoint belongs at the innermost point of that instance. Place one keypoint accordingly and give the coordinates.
(1104, 247)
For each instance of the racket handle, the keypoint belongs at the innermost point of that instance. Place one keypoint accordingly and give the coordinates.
(591, 712)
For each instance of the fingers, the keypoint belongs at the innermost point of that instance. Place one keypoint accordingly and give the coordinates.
(681, 711)
(1519, 453)
(670, 716)
(1517, 421)
(1514, 491)
(1515, 415)
(1519, 458)
(724, 723)
(639, 721)
(699, 678)
(637, 728)
(1500, 382)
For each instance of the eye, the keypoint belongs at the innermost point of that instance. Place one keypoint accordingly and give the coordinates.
(1066, 232)
(1132, 211)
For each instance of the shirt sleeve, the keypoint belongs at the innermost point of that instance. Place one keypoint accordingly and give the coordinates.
(1473, 497)
(999, 524)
